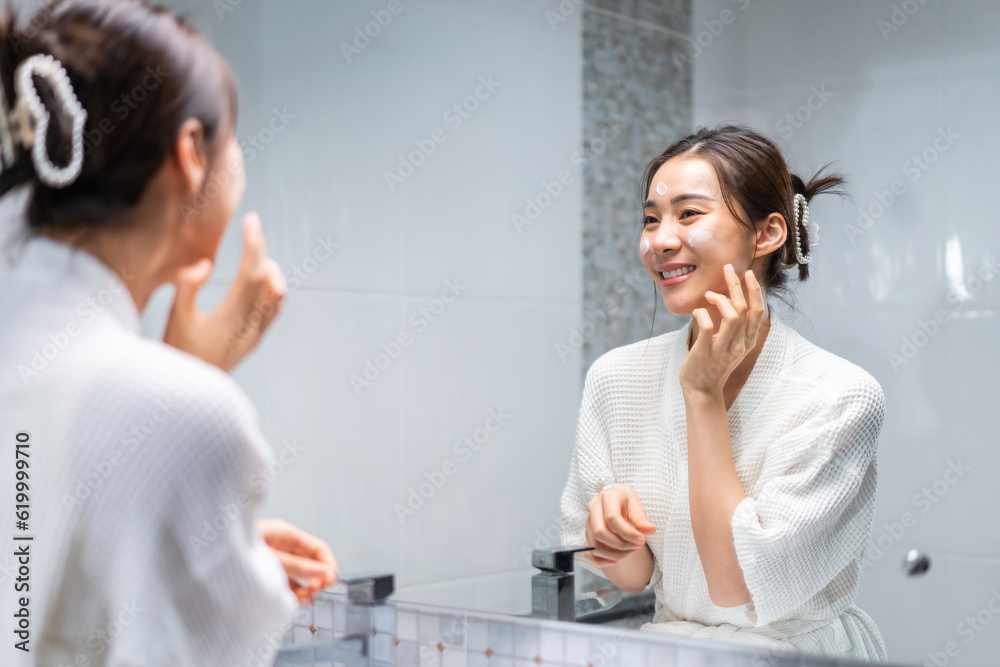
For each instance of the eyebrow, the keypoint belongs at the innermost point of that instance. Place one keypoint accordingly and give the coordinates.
(679, 198)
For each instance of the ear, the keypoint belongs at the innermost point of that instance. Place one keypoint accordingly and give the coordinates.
(771, 235)
(190, 156)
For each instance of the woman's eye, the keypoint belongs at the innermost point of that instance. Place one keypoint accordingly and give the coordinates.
(649, 220)
(684, 213)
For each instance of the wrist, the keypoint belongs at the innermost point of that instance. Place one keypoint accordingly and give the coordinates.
(698, 398)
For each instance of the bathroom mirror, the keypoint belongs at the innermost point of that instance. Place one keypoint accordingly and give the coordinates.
(451, 188)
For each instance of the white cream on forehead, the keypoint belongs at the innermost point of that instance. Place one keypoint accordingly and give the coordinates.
(661, 188)
(699, 237)
(644, 246)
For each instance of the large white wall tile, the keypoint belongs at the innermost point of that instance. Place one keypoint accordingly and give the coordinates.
(350, 434)
(908, 610)
(972, 612)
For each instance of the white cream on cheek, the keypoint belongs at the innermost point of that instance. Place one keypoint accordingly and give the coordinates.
(699, 237)
(644, 246)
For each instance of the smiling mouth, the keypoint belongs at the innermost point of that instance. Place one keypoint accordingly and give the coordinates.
(666, 275)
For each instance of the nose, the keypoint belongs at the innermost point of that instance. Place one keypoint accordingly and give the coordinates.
(665, 237)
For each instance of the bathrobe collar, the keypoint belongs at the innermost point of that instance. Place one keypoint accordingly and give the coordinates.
(769, 365)
(83, 277)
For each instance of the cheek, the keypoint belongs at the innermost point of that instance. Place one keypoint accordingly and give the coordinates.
(701, 237)
(644, 245)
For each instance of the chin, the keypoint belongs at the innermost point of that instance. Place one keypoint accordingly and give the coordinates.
(674, 307)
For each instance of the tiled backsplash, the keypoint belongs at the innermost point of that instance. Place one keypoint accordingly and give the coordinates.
(411, 635)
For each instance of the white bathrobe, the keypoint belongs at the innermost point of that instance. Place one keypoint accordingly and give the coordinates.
(146, 467)
(804, 431)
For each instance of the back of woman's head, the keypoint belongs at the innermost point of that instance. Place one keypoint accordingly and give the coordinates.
(755, 182)
(138, 72)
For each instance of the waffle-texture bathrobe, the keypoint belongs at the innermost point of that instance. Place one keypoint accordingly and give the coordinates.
(804, 430)
(146, 470)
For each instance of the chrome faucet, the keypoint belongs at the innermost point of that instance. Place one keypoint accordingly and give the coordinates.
(365, 594)
(553, 590)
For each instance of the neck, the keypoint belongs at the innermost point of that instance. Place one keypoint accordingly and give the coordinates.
(741, 372)
(134, 253)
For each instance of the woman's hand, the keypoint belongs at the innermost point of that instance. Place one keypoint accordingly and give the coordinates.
(307, 560)
(714, 356)
(617, 525)
(234, 328)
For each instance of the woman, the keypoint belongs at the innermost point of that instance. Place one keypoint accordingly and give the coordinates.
(730, 465)
(139, 464)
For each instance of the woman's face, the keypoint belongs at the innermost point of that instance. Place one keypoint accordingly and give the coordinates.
(222, 194)
(688, 226)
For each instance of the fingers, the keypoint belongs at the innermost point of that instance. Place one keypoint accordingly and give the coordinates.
(627, 536)
(639, 520)
(604, 536)
(305, 594)
(303, 556)
(757, 309)
(705, 328)
(275, 289)
(735, 288)
(610, 529)
(254, 249)
(315, 573)
(189, 280)
(733, 309)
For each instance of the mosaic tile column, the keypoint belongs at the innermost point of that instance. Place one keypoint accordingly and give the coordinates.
(636, 100)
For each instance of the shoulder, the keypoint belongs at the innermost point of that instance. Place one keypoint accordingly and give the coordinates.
(832, 380)
(190, 401)
(634, 363)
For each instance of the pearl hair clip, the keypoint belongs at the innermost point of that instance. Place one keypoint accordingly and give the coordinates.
(28, 122)
(799, 201)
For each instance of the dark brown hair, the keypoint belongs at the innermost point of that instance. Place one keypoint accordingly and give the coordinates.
(755, 183)
(139, 73)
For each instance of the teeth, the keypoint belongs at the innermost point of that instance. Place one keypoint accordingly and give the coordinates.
(677, 272)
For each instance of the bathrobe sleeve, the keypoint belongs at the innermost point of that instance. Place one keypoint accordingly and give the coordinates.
(231, 591)
(812, 518)
(590, 469)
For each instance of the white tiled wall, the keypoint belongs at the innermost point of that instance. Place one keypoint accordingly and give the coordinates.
(436, 258)
(492, 348)
(890, 93)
